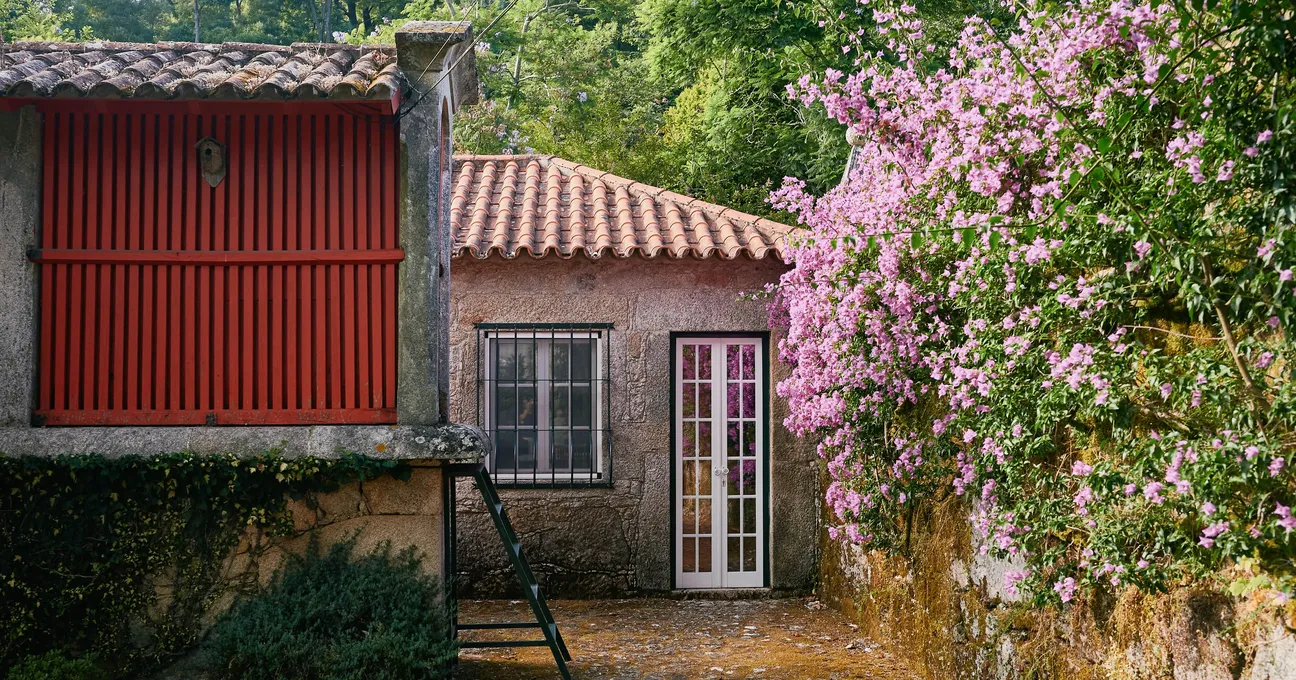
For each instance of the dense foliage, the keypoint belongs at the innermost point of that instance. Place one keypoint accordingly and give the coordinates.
(336, 616)
(1058, 281)
(670, 92)
(87, 544)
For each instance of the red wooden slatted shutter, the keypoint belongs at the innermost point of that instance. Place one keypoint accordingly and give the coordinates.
(267, 299)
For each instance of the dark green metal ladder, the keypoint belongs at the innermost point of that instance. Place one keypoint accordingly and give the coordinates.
(543, 618)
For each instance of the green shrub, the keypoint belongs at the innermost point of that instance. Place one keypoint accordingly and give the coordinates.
(332, 615)
(86, 542)
(55, 666)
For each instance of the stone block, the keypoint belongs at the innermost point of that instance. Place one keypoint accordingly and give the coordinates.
(420, 495)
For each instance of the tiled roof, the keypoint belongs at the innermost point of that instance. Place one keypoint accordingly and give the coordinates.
(541, 205)
(196, 70)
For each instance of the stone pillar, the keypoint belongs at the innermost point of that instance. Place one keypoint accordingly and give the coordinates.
(20, 196)
(438, 62)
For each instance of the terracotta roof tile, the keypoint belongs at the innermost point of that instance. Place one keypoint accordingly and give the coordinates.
(542, 205)
(198, 71)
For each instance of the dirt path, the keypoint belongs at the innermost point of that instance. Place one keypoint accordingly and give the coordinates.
(681, 639)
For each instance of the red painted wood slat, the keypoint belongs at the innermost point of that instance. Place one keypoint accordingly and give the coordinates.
(268, 299)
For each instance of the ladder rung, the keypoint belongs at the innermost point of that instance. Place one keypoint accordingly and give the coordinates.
(496, 644)
(492, 626)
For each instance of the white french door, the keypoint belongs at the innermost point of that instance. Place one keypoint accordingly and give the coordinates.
(719, 456)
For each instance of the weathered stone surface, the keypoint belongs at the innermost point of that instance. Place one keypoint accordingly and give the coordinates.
(611, 541)
(425, 50)
(946, 607)
(1275, 656)
(458, 443)
(20, 157)
(420, 495)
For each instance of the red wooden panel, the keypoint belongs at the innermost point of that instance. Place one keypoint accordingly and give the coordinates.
(268, 299)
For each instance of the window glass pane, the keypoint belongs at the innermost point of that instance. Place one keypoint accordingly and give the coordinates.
(526, 451)
(526, 357)
(690, 555)
(749, 554)
(505, 451)
(733, 556)
(704, 439)
(582, 405)
(505, 360)
(704, 554)
(732, 362)
(690, 478)
(731, 440)
(749, 362)
(749, 400)
(561, 359)
(733, 519)
(749, 515)
(559, 408)
(526, 412)
(690, 400)
(749, 477)
(560, 456)
(690, 366)
(704, 477)
(704, 362)
(689, 443)
(690, 516)
(704, 401)
(704, 516)
(505, 406)
(732, 392)
(749, 439)
(582, 451)
(582, 359)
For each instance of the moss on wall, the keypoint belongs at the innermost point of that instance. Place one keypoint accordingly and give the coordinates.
(943, 606)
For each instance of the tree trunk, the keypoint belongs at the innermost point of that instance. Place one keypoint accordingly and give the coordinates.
(351, 13)
(517, 60)
(366, 16)
(197, 23)
(328, 21)
(315, 22)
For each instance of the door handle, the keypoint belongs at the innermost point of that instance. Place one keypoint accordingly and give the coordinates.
(720, 472)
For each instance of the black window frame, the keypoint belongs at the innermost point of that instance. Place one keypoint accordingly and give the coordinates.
(601, 402)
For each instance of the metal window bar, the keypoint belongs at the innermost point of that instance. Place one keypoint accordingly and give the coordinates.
(544, 393)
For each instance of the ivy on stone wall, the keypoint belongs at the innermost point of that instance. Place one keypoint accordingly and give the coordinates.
(122, 557)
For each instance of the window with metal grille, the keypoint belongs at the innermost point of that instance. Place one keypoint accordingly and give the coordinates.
(544, 398)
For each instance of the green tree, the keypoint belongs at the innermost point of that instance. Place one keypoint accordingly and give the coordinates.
(30, 20)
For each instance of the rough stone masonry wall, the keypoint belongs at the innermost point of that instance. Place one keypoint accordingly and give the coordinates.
(612, 541)
(944, 605)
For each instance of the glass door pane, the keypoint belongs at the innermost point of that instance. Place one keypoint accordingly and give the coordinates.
(720, 466)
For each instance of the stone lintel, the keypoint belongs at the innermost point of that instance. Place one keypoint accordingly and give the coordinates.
(441, 443)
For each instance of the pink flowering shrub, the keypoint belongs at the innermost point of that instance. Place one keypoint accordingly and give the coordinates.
(1057, 281)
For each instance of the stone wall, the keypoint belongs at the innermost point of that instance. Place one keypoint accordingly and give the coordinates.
(945, 606)
(613, 541)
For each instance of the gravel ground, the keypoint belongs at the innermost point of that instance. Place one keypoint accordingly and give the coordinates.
(681, 639)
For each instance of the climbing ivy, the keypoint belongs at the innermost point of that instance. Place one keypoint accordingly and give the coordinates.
(122, 557)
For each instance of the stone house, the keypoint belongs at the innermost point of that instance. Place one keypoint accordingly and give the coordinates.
(233, 248)
(605, 334)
